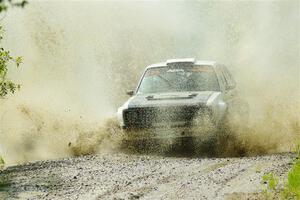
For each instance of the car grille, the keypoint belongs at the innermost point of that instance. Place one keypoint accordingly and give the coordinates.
(161, 116)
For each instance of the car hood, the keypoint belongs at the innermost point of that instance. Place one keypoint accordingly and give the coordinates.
(169, 99)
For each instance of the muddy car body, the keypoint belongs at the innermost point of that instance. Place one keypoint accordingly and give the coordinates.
(179, 98)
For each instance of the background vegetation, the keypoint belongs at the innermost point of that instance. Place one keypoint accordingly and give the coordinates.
(291, 188)
(6, 85)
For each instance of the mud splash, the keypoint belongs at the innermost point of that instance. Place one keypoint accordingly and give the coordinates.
(41, 134)
(107, 138)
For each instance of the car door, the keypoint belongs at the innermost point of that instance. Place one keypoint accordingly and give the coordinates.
(239, 108)
(229, 90)
(230, 84)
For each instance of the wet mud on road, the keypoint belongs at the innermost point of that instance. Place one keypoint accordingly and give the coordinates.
(127, 176)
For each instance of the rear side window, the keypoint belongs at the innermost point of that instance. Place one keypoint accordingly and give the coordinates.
(228, 78)
(221, 78)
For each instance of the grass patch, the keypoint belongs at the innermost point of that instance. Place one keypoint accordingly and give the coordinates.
(4, 186)
(5, 183)
(2, 163)
(291, 189)
(271, 191)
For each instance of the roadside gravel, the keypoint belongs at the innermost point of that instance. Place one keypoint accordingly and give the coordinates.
(127, 176)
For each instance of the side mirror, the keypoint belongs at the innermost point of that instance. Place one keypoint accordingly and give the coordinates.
(130, 92)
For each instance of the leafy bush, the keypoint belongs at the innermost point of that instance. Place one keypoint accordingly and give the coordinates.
(291, 189)
(6, 85)
(5, 4)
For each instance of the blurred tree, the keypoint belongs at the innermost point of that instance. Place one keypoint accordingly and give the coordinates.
(5, 4)
(7, 86)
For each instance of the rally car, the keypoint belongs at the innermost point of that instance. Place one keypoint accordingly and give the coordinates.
(181, 98)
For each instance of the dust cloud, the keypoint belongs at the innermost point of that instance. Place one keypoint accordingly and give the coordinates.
(80, 57)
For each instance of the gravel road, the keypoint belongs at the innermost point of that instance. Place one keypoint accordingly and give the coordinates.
(132, 176)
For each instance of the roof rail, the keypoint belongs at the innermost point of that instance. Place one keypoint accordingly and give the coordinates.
(183, 60)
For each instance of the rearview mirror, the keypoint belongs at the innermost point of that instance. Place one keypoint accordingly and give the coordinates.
(130, 92)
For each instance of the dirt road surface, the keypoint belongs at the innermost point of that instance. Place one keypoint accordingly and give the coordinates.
(127, 176)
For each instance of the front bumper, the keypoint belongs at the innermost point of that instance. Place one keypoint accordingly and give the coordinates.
(168, 132)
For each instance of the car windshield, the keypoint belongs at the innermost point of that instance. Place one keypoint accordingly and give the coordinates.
(179, 79)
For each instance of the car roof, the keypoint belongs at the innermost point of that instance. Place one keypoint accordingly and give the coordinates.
(183, 60)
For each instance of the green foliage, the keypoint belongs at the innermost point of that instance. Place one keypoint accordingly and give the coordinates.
(298, 149)
(5, 4)
(271, 180)
(294, 179)
(291, 189)
(6, 85)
